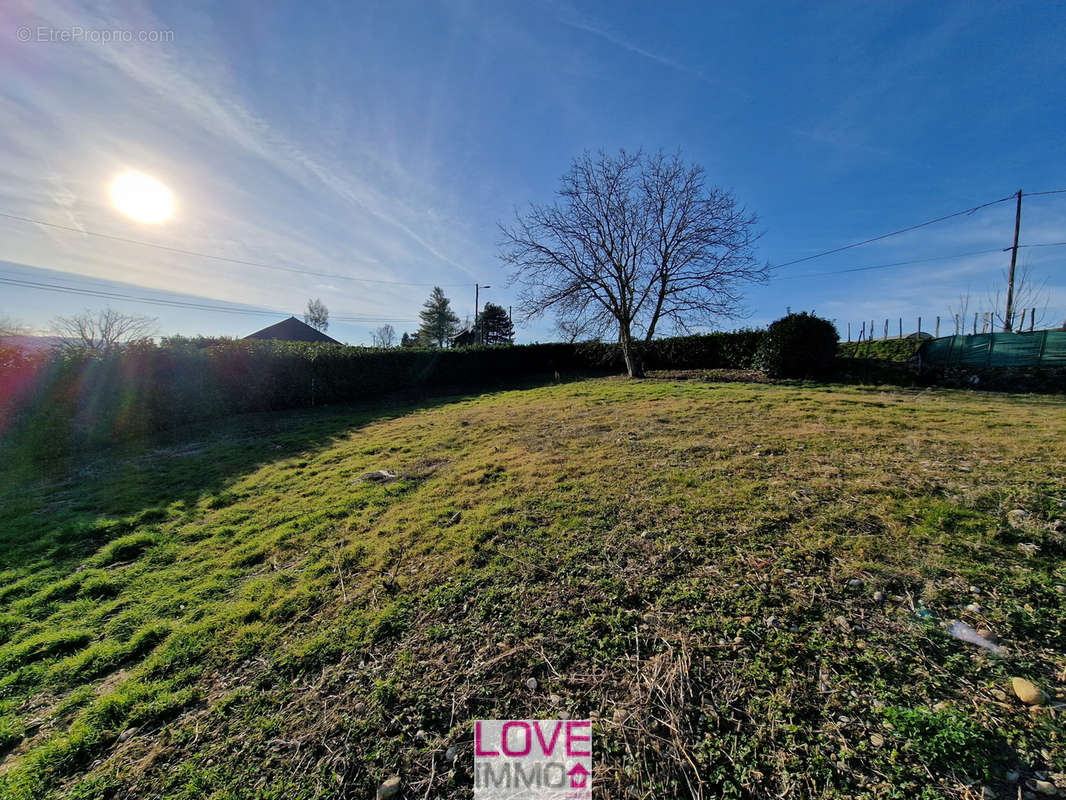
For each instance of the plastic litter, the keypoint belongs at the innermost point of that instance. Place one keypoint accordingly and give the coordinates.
(964, 633)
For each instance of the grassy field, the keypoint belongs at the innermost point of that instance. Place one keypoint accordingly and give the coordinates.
(745, 586)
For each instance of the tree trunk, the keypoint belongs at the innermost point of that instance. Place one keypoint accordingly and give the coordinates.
(633, 365)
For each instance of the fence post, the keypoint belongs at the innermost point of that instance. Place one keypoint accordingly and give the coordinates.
(956, 324)
(901, 327)
(975, 323)
(919, 328)
(849, 333)
(1032, 319)
(937, 334)
(862, 333)
(886, 330)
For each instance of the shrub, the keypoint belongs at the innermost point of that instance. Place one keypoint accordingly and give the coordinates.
(798, 346)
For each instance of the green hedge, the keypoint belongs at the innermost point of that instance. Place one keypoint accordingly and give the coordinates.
(881, 349)
(73, 400)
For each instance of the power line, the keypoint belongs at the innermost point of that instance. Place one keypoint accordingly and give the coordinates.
(897, 233)
(1042, 244)
(181, 251)
(342, 317)
(1038, 194)
(892, 264)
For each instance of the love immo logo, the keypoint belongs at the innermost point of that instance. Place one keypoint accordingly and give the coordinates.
(527, 759)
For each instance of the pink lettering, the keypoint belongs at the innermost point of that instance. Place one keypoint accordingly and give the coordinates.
(477, 743)
(503, 736)
(547, 747)
(572, 737)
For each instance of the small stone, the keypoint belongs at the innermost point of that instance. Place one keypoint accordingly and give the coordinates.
(855, 583)
(879, 597)
(999, 694)
(1016, 517)
(555, 699)
(126, 734)
(876, 739)
(651, 619)
(973, 608)
(842, 623)
(1027, 691)
(531, 684)
(975, 590)
(449, 754)
(1044, 787)
(390, 788)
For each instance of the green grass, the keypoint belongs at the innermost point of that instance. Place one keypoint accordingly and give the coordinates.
(234, 614)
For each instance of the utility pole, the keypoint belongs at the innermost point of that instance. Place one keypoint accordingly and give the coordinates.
(477, 310)
(1007, 324)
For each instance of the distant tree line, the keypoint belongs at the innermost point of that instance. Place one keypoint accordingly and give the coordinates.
(440, 326)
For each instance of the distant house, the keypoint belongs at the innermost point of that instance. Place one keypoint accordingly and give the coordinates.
(464, 338)
(292, 330)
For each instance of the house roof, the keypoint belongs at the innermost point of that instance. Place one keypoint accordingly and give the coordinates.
(291, 330)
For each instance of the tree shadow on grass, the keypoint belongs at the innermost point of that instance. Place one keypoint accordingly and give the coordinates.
(60, 511)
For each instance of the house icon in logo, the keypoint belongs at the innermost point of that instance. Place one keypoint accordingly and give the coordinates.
(578, 776)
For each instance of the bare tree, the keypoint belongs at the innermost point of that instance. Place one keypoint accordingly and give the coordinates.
(103, 330)
(385, 336)
(317, 315)
(9, 326)
(1031, 300)
(631, 242)
(702, 246)
(1030, 297)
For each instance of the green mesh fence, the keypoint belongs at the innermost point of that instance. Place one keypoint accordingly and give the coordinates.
(1034, 349)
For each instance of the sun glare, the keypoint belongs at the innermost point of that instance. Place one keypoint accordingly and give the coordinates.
(141, 197)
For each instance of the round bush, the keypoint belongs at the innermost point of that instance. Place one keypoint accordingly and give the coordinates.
(798, 346)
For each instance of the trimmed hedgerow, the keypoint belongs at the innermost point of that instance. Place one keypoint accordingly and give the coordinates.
(76, 399)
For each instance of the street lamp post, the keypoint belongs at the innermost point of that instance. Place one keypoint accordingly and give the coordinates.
(477, 308)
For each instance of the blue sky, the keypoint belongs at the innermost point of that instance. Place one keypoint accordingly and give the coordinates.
(383, 142)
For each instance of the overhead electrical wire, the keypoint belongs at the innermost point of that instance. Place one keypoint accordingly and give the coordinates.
(892, 264)
(894, 233)
(919, 261)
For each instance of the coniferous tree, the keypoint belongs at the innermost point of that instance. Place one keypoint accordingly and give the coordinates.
(439, 322)
(494, 326)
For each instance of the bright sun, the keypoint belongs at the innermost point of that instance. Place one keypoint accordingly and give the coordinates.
(141, 197)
